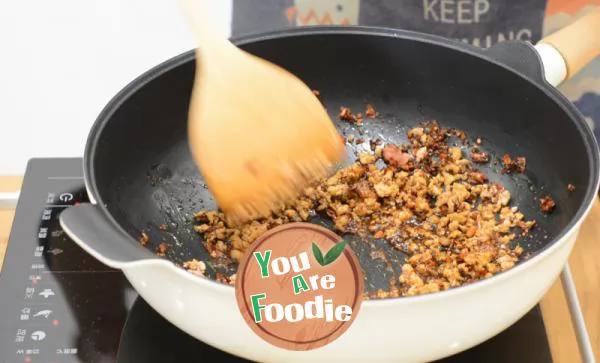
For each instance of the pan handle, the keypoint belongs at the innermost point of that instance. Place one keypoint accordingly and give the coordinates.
(574, 46)
(90, 227)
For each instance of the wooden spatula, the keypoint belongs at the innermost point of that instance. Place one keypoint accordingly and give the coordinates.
(257, 133)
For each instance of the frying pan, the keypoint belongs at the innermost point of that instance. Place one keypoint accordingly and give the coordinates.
(139, 174)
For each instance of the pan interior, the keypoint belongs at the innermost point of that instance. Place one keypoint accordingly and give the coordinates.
(146, 177)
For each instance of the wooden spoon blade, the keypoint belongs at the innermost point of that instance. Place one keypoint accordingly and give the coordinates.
(256, 131)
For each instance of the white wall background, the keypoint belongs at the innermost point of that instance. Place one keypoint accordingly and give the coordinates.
(62, 60)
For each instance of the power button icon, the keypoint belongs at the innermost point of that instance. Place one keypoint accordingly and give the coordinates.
(65, 197)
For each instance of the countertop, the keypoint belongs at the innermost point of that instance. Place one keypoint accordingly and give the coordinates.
(585, 267)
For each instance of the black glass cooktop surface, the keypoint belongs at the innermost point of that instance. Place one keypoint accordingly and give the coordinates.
(523, 342)
(58, 304)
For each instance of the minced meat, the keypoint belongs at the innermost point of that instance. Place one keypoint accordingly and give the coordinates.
(427, 201)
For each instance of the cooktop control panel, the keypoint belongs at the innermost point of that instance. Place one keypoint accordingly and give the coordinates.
(55, 305)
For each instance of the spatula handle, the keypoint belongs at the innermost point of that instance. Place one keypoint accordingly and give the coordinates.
(201, 21)
(578, 43)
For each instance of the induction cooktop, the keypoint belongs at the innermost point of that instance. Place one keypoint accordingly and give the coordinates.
(58, 304)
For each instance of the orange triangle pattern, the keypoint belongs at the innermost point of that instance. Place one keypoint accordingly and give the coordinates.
(570, 7)
(292, 14)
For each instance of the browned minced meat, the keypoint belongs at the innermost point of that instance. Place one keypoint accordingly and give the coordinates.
(394, 156)
(144, 239)
(477, 177)
(479, 156)
(525, 226)
(196, 267)
(162, 249)
(571, 188)
(370, 112)
(520, 163)
(346, 115)
(379, 234)
(375, 143)
(229, 280)
(547, 204)
(427, 201)
(162, 227)
(517, 164)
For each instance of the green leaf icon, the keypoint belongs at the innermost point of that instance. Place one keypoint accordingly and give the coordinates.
(334, 252)
(331, 255)
(317, 253)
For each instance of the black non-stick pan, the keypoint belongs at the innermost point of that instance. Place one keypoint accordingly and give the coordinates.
(142, 170)
(140, 175)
